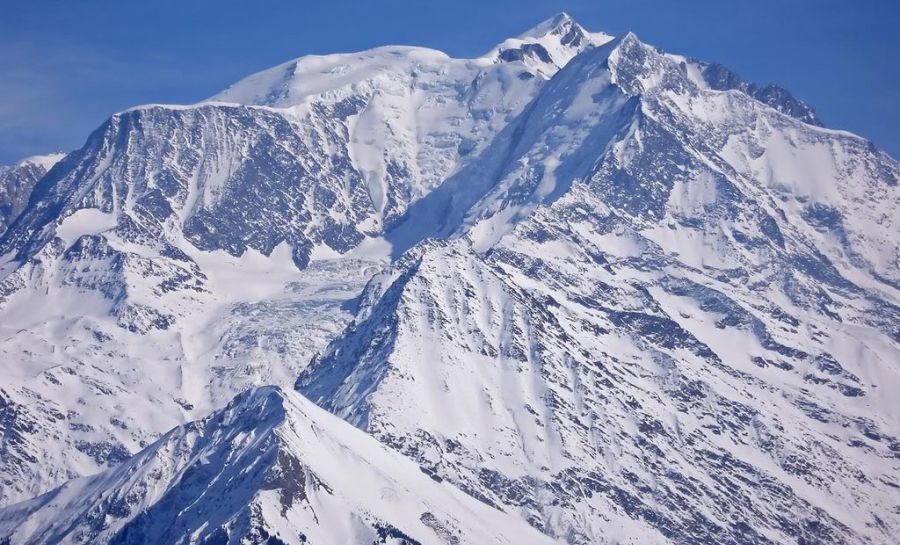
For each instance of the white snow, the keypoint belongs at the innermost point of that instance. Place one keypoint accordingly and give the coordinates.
(46, 162)
(86, 221)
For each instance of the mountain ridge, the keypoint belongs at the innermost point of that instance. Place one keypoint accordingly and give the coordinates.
(17, 182)
(268, 468)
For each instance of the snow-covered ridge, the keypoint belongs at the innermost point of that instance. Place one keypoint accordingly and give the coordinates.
(271, 467)
(543, 50)
(46, 162)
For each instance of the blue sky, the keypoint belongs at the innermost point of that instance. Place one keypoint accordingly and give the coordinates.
(67, 65)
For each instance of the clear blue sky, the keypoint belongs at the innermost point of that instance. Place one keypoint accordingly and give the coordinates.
(67, 65)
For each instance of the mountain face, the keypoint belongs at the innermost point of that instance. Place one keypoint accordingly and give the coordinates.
(620, 294)
(672, 318)
(273, 468)
(16, 183)
(186, 253)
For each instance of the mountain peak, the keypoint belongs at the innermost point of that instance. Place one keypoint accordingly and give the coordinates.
(633, 66)
(620, 43)
(549, 45)
(558, 24)
(18, 180)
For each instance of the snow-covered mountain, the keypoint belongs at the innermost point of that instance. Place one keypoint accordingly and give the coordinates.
(271, 468)
(16, 183)
(671, 317)
(619, 293)
(188, 252)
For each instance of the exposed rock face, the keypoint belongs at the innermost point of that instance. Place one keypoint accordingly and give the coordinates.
(721, 78)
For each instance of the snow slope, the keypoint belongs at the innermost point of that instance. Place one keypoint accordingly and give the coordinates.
(271, 467)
